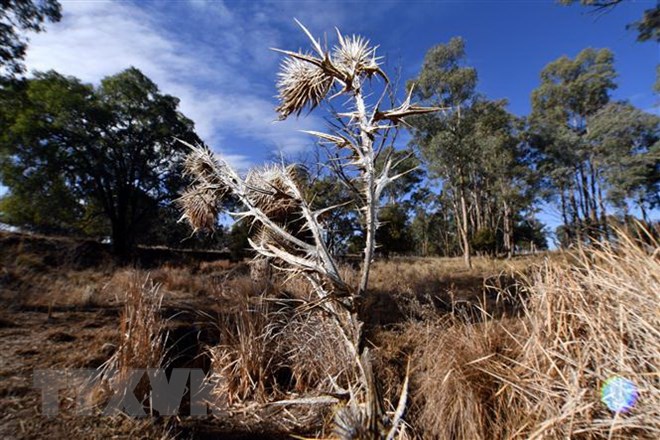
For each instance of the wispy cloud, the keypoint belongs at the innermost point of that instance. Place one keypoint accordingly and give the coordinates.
(215, 58)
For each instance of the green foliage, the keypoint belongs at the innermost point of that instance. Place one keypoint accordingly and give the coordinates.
(530, 231)
(237, 240)
(648, 27)
(42, 206)
(442, 137)
(485, 241)
(434, 224)
(17, 17)
(393, 235)
(594, 154)
(627, 146)
(476, 147)
(444, 79)
(109, 151)
(572, 91)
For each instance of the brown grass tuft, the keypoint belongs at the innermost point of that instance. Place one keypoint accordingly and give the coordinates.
(588, 317)
(585, 323)
(269, 348)
(452, 395)
(142, 341)
(240, 364)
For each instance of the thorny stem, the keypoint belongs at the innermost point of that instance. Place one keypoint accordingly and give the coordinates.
(362, 358)
(313, 260)
(368, 176)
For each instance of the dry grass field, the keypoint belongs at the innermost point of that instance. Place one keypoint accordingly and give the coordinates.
(511, 349)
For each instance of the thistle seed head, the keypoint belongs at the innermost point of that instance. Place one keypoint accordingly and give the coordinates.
(269, 190)
(355, 57)
(201, 206)
(301, 84)
(202, 165)
(351, 423)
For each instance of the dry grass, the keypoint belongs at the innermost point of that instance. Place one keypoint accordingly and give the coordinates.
(270, 348)
(451, 394)
(241, 363)
(311, 348)
(142, 336)
(584, 317)
(596, 319)
(539, 375)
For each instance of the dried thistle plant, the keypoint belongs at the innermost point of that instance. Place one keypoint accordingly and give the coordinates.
(301, 84)
(272, 197)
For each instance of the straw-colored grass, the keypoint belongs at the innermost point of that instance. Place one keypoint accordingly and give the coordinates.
(142, 336)
(271, 348)
(589, 317)
(585, 323)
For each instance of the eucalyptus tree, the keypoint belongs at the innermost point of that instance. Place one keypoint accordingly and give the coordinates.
(476, 147)
(504, 167)
(648, 27)
(433, 227)
(444, 137)
(571, 92)
(627, 149)
(16, 18)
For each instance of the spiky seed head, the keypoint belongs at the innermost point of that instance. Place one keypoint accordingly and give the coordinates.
(264, 237)
(351, 423)
(200, 205)
(203, 166)
(355, 57)
(301, 84)
(269, 190)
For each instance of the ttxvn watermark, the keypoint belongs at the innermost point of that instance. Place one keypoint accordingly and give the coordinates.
(179, 391)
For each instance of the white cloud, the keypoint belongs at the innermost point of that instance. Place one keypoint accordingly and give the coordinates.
(221, 79)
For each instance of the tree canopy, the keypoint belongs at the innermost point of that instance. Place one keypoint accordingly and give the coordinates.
(17, 17)
(648, 27)
(475, 147)
(108, 151)
(583, 140)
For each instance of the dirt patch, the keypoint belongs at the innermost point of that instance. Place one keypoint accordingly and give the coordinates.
(61, 337)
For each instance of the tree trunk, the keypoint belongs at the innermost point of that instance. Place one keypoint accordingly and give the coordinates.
(603, 213)
(577, 223)
(121, 241)
(122, 233)
(594, 205)
(508, 230)
(645, 217)
(564, 215)
(464, 233)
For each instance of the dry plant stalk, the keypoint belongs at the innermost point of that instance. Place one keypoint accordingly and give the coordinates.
(305, 80)
(240, 363)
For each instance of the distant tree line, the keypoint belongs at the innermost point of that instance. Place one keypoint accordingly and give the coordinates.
(103, 161)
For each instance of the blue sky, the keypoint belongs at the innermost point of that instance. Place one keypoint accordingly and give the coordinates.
(215, 55)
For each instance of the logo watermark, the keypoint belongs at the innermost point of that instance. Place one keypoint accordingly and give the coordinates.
(180, 391)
